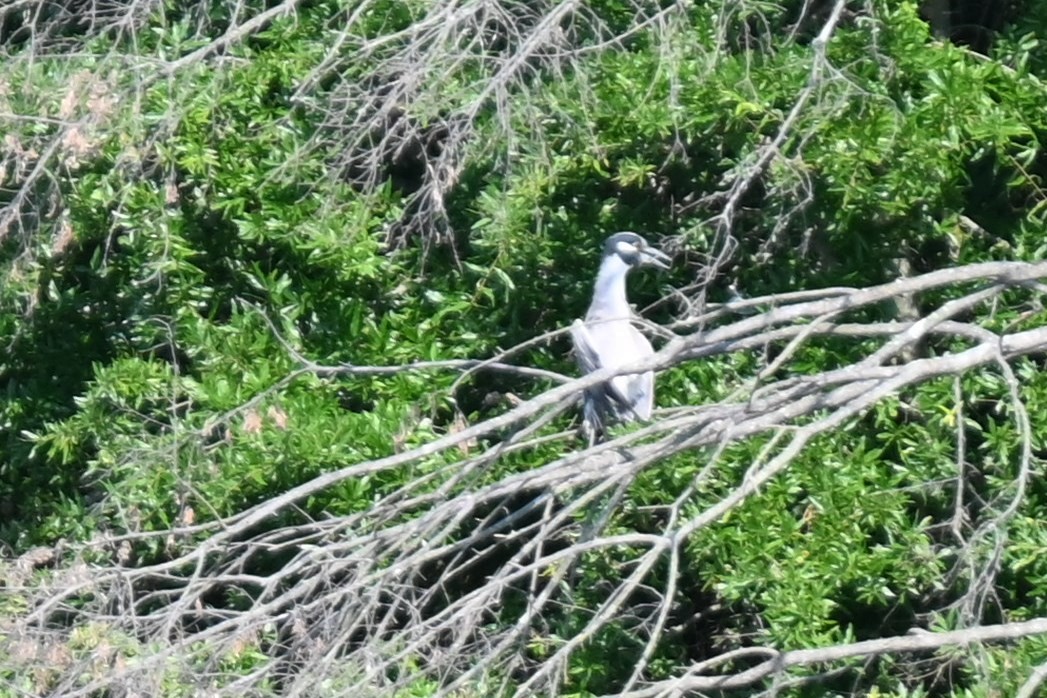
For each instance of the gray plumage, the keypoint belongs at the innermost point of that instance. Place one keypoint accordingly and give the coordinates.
(607, 337)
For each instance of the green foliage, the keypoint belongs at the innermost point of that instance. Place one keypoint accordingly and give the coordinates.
(149, 376)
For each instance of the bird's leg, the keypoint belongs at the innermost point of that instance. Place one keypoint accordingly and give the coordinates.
(589, 431)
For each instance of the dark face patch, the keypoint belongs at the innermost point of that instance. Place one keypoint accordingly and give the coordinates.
(611, 246)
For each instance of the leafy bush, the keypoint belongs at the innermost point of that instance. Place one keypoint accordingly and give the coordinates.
(252, 255)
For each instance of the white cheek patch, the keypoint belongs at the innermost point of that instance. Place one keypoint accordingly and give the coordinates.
(627, 248)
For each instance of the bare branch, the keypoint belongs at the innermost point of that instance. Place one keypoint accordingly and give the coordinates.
(388, 570)
(780, 662)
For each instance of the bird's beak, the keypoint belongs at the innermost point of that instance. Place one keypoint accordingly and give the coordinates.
(655, 258)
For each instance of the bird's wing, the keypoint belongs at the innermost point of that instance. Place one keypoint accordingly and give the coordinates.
(584, 351)
(641, 385)
(641, 394)
(602, 344)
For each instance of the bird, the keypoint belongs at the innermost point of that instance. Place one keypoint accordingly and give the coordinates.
(607, 338)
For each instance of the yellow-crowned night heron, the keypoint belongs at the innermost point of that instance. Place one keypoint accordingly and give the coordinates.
(607, 338)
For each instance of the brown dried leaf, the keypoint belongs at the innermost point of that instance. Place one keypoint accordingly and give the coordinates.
(188, 516)
(460, 424)
(100, 100)
(252, 422)
(76, 143)
(64, 236)
(278, 416)
(59, 656)
(68, 105)
(171, 196)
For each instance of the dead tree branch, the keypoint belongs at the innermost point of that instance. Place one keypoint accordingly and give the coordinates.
(387, 570)
(780, 662)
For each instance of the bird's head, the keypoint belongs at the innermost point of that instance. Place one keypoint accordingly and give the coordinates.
(635, 251)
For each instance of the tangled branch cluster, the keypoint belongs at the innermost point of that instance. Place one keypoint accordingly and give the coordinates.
(453, 574)
(387, 98)
(410, 99)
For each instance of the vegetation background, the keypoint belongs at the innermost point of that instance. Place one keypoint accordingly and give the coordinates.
(287, 405)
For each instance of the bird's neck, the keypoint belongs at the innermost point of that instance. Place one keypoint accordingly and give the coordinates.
(609, 300)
